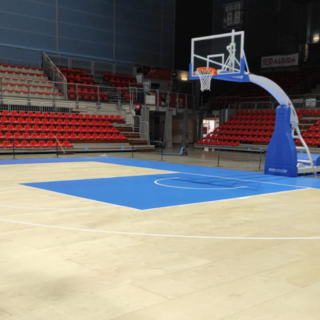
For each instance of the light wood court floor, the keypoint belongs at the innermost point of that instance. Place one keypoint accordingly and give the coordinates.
(59, 260)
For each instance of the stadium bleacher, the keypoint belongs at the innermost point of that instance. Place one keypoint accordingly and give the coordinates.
(24, 82)
(45, 130)
(256, 127)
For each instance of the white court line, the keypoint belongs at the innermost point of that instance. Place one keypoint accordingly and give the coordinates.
(228, 199)
(255, 181)
(57, 209)
(155, 234)
(177, 187)
(70, 195)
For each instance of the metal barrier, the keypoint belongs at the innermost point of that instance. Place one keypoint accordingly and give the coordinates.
(144, 130)
(94, 67)
(54, 73)
(249, 149)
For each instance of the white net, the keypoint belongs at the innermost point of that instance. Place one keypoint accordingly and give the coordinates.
(205, 76)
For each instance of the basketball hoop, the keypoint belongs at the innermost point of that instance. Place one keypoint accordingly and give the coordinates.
(205, 75)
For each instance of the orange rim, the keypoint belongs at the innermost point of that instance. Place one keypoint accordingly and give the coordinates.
(213, 71)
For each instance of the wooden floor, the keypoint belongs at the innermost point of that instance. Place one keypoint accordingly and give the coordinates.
(55, 265)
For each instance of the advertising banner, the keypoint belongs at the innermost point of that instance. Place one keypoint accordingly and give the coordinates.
(280, 61)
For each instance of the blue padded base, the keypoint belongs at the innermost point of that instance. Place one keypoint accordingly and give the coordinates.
(315, 158)
(281, 158)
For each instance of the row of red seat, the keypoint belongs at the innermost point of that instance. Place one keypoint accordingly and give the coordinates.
(254, 111)
(254, 116)
(37, 114)
(244, 139)
(34, 144)
(227, 128)
(108, 76)
(23, 74)
(73, 136)
(41, 93)
(36, 128)
(309, 112)
(18, 66)
(72, 71)
(246, 133)
(312, 141)
(218, 143)
(253, 121)
(12, 84)
(91, 97)
(308, 134)
(53, 122)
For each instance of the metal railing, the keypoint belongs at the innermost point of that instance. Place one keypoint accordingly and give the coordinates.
(55, 74)
(144, 130)
(94, 67)
(302, 101)
(36, 89)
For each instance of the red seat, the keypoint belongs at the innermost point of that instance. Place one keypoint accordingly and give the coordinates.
(6, 144)
(73, 136)
(34, 144)
(50, 136)
(17, 135)
(10, 127)
(122, 137)
(67, 129)
(36, 128)
(51, 144)
(81, 136)
(44, 128)
(43, 135)
(14, 114)
(88, 136)
(25, 144)
(66, 136)
(21, 120)
(17, 144)
(34, 135)
(67, 144)
(42, 144)
(8, 135)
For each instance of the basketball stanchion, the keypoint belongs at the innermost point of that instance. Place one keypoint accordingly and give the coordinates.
(252, 150)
